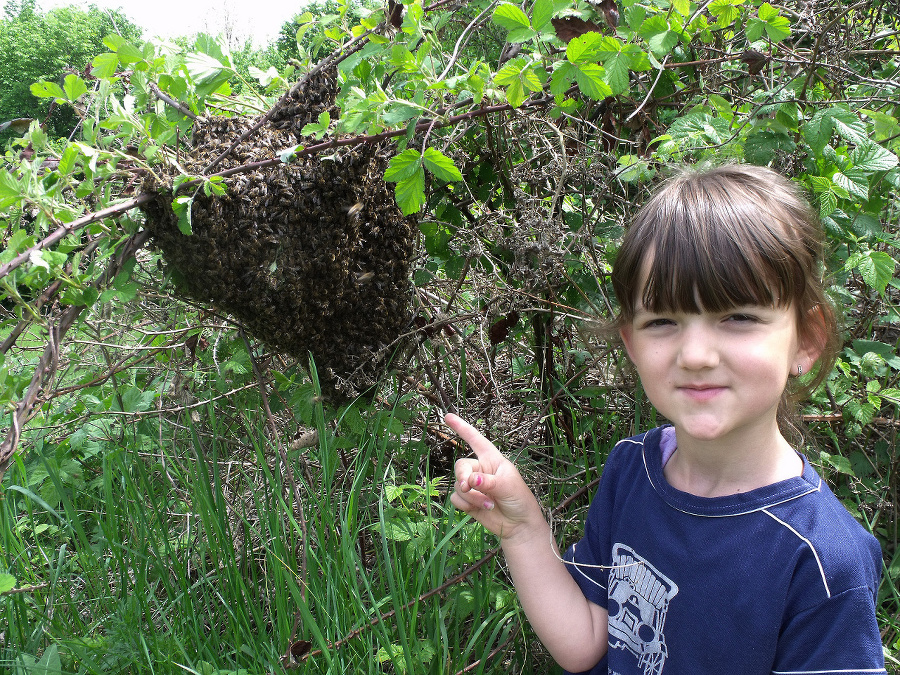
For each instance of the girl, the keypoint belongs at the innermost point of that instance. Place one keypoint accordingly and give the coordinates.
(712, 547)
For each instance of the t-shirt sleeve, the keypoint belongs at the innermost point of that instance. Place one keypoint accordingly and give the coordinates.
(588, 559)
(838, 635)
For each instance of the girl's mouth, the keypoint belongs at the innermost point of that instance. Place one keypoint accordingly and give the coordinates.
(701, 392)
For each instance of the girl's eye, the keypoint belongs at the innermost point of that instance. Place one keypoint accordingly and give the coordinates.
(657, 323)
(742, 318)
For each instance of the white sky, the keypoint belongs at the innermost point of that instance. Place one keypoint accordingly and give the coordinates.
(259, 20)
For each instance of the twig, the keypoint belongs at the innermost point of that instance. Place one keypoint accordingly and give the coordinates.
(497, 650)
(332, 59)
(462, 37)
(374, 138)
(25, 589)
(650, 90)
(187, 112)
(46, 296)
(818, 45)
(72, 227)
(48, 362)
(471, 569)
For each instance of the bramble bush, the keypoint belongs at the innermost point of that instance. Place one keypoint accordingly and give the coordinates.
(180, 498)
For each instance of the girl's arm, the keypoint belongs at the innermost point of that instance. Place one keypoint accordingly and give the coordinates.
(490, 489)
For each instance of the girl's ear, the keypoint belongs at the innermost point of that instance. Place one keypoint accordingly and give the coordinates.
(813, 336)
(626, 332)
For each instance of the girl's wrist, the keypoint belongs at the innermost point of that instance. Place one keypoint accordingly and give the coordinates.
(526, 534)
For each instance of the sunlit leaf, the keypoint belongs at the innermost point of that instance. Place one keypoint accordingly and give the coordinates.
(403, 166)
(47, 90)
(441, 165)
(510, 17)
(410, 192)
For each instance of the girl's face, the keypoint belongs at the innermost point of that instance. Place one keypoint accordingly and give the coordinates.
(717, 376)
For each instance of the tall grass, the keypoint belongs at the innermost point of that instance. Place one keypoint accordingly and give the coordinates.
(181, 557)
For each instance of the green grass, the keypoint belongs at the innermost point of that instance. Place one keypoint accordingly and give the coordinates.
(179, 557)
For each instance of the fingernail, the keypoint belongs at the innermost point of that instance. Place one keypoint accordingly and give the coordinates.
(478, 480)
(488, 505)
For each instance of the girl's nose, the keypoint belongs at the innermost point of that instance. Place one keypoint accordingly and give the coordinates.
(698, 349)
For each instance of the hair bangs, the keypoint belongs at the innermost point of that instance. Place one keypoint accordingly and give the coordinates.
(723, 273)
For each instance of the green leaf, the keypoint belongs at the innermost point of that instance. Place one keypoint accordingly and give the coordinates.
(207, 73)
(767, 12)
(318, 129)
(128, 53)
(617, 72)
(891, 394)
(182, 207)
(410, 192)
(7, 582)
(755, 29)
(562, 78)
(515, 93)
(509, 73)
(877, 269)
(778, 29)
(848, 125)
(871, 157)
(510, 17)
(67, 160)
(74, 87)
(403, 166)
(584, 49)
(838, 462)
(400, 111)
(589, 77)
(683, 7)
(47, 90)
(725, 11)
(541, 13)
(854, 182)
(817, 131)
(441, 165)
(885, 351)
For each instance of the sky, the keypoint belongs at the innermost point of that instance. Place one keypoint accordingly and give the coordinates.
(258, 20)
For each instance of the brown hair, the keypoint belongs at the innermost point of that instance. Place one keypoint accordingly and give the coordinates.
(725, 237)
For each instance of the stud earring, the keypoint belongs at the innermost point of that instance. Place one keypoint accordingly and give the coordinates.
(799, 370)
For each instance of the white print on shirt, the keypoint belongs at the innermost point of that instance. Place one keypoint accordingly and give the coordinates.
(639, 597)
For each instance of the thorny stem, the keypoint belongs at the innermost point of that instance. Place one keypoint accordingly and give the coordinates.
(333, 59)
(187, 112)
(74, 226)
(373, 138)
(46, 368)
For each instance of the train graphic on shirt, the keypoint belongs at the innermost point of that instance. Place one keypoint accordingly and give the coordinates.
(638, 599)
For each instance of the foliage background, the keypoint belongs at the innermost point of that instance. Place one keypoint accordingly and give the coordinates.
(184, 500)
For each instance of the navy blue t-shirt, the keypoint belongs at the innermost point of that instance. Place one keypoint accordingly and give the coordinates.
(777, 580)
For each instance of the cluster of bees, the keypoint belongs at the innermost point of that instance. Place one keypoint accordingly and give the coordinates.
(311, 256)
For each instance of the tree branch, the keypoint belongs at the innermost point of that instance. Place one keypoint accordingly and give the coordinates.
(47, 364)
(75, 225)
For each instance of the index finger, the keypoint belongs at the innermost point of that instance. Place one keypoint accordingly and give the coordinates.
(482, 447)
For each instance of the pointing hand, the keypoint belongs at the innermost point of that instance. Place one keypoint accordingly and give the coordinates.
(490, 488)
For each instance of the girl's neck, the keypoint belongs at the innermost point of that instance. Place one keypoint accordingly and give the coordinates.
(731, 466)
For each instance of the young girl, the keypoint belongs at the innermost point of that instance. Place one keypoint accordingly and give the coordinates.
(712, 547)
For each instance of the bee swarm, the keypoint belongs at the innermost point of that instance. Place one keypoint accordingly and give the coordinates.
(312, 256)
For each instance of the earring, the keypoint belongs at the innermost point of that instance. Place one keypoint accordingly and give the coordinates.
(799, 370)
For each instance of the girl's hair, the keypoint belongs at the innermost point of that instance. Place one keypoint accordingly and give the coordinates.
(725, 237)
